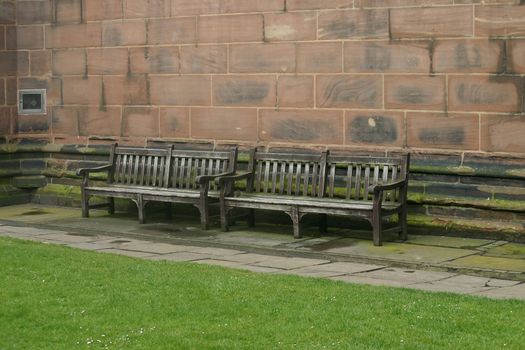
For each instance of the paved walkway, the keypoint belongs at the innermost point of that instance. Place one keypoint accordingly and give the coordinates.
(431, 267)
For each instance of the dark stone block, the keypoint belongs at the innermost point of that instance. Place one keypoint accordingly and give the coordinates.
(29, 181)
(435, 163)
(434, 178)
(33, 164)
(499, 166)
(457, 190)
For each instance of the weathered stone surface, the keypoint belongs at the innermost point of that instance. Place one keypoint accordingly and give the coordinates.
(7, 12)
(387, 57)
(499, 21)
(68, 11)
(30, 37)
(146, 8)
(126, 90)
(224, 123)
(516, 52)
(204, 59)
(155, 60)
(440, 130)
(349, 91)
(235, 28)
(415, 92)
(107, 61)
(180, 90)
(463, 56)
(451, 21)
(485, 93)
(73, 35)
(290, 26)
(299, 126)
(262, 58)
(40, 62)
(501, 133)
(124, 33)
(316, 4)
(140, 121)
(69, 62)
(352, 24)
(171, 31)
(295, 91)
(319, 57)
(174, 122)
(374, 128)
(33, 12)
(237, 90)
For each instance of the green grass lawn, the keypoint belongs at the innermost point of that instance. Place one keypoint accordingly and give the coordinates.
(55, 297)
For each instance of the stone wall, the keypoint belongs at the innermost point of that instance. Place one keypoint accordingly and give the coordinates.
(444, 79)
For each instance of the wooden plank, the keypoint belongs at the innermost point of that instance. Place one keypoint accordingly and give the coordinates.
(290, 178)
(160, 175)
(155, 169)
(367, 181)
(282, 178)
(117, 168)
(258, 176)
(181, 172)
(331, 180)
(123, 170)
(188, 172)
(357, 194)
(136, 170)
(266, 176)
(376, 175)
(148, 170)
(385, 180)
(298, 173)
(315, 182)
(142, 170)
(167, 170)
(306, 179)
(142, 151)
(274, 176)
(349, 181)
(175, 174)
(112, 158)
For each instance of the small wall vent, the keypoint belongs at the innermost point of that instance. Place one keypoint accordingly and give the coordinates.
(32, 101)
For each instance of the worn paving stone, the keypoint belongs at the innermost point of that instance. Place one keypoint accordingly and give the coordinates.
(406, 276)
(490, 263)
(182, 256)
(30, 230)
(90, 246)
(254, 238)
(223, 263)
(310, 242)
(513, 292)
(245, 258)
(68, 238)
(158, 248)
(399, 251)
(129, 253)
(306, 272)
(451, 242)
(214, 251)
(345, 267)
(368, 280)
(439, 286)
(289, 263)
(261, 269)
(508, 250)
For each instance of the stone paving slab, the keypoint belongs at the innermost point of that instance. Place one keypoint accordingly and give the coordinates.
(129, 253)
(345, 267)
(91, 246)
(450, 242)
(214, 251)
(68, 238)
(408, 276)
(286, 263)
(358, 279)
(508, 250)
(397, 251)
(515, 292)
(490, 263)
(181, 256)
(157, 248)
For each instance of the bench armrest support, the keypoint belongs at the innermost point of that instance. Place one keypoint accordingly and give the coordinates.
(234, 177)
(98, 169)
(387, 186)
(201, 179)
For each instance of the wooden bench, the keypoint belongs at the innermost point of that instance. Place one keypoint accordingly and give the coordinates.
(300, 184)
(159, 174)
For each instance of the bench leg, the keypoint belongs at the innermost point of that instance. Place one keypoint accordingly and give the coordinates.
(140, 206)
(251, 217)
(111, 205)
(224, 217)
(377, 227)
(203, 208)
(85, 205)
(403, 224)
(296, 220)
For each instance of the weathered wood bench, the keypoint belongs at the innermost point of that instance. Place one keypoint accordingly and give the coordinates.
(300, 184)
(159, 174)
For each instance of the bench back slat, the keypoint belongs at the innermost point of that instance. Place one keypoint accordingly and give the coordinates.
(286, 174)
(350, 177)
(138, 166)
(186, 165)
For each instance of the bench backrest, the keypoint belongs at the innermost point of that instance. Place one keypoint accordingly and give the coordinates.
(350, 176)
(287, 174)
(139, 166)
(186, 165)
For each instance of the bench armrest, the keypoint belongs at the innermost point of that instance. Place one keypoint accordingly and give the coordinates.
(388, 186)
(201, 179)
(234, 177)
(98, 169)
